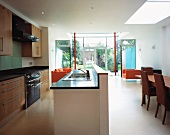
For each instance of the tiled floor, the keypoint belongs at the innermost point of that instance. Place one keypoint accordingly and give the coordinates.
(127, 117)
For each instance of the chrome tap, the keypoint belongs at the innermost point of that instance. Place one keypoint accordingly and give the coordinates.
(87, 73)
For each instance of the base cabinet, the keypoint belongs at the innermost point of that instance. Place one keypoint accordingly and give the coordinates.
(12, 96)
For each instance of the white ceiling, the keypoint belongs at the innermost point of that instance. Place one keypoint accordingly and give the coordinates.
(80, 16)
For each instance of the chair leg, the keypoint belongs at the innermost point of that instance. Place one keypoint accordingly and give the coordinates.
(164, 117)
(157, 110)
(148, 103)
(143, 99)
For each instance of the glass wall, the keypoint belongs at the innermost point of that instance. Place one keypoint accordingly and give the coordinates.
(65, 53)
(93, 49)
(98, 49)
(95, 42)
(89, 54)
(101, 58)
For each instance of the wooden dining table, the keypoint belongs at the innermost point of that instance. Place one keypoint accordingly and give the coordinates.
(152, 80)
(166, 80)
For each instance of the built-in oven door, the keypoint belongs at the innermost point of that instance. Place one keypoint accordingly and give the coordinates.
(33, 93)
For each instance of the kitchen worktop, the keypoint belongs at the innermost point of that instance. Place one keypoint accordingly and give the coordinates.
(11, 73)
(92, 83)
(82, 104)
(7, 77)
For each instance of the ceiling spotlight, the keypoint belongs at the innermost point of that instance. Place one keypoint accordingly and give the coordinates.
(53, 24)
(42, 13)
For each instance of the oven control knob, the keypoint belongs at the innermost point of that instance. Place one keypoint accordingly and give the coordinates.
(28, 76)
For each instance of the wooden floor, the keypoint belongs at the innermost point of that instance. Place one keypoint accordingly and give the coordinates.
(126, 115)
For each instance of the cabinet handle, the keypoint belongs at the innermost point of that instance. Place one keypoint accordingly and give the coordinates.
(2, 44)
(37, 50)
(10, 100)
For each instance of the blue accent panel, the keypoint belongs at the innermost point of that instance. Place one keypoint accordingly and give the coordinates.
(131, 57)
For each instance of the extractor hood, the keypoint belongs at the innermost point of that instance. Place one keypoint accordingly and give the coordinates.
(20, 31)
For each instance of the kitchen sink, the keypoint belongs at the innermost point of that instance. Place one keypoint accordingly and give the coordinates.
(77, 77)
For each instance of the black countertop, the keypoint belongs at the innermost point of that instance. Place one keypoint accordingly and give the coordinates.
(7, 77)
(93, 83)
(11, 73)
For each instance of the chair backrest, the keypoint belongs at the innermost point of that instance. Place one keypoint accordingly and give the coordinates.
(148, 69)
(160, 88)
(145, 82)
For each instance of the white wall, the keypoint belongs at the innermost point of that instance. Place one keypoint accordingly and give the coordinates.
(148, 50)
(54, 35)
(165, 38)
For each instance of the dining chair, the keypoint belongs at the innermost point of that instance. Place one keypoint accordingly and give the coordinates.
(163, 96)
(148, 69)
(147, 88)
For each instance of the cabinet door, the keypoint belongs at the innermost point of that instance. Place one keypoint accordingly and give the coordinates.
(32, 49)
(36, 46)
(5, 31)
(45, 83)
(12, 96)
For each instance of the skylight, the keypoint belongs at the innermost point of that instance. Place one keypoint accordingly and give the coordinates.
(151, 12)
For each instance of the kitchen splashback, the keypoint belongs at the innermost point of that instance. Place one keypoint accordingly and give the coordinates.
(11, 62)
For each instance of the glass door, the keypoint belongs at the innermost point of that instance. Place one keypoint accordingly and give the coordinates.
(101, 57)
(94, 55)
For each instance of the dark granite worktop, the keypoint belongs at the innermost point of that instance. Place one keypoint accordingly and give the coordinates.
(7, 77)
(93, 83)
(13, 73)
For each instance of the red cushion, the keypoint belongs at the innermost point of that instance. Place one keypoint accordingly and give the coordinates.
(56, 70)
(60, 69)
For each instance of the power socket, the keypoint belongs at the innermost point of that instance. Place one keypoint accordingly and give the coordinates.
(30, 63)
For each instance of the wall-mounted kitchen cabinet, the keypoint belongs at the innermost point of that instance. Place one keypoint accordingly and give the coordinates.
(32, 49)
(5, 31)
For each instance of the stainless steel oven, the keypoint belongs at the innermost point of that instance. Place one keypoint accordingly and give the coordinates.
(32, 84)
(32, 90)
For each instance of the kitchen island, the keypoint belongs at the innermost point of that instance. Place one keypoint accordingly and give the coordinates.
(81, 106)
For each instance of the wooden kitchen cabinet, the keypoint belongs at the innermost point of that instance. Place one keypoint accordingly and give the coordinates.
(44, 82)
(12, 97)
(32, 49)
(5, 31)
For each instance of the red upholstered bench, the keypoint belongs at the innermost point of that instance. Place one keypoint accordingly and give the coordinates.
(130, 73)
(57, 74)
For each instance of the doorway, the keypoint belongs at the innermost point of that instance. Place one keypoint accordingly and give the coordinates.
(95, 55)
